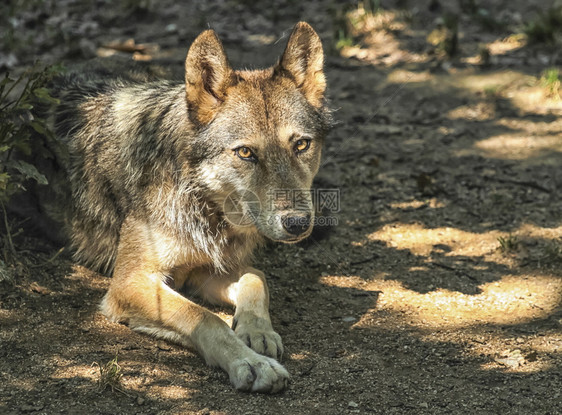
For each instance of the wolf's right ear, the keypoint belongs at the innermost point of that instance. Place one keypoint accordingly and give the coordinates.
(207, 76)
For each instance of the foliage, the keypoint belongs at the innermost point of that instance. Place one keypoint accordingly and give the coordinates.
(445, 36)
(508, 244)
(18, 125)
(20, 129)
(550, 81)
(110, 376)
(350, 20)
(342, 31)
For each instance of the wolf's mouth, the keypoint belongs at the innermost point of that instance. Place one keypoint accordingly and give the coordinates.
(293, 239)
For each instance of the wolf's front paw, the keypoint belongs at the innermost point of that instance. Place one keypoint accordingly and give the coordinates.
(258, 374)
(258, 334)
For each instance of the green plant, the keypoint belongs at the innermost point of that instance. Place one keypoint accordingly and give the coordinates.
(110, 376)
(550, 81)
(342, 31)
(509, 243)
(17, 126)
(492, 91)
(20, 128)
(343, 40)
(445, 36)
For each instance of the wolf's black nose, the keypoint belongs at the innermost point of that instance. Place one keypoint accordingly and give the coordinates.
(296, 225)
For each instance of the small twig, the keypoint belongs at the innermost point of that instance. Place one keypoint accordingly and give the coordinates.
(8, 232)
(50, 260)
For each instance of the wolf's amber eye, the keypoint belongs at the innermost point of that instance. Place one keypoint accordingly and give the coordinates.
(245, 153)
(302, 145)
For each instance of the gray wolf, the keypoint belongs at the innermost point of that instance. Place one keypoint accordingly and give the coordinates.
(153, 168)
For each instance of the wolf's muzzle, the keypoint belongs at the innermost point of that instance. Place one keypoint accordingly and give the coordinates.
(296, 225)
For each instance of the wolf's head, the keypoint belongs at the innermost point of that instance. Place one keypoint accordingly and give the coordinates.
(260, 133)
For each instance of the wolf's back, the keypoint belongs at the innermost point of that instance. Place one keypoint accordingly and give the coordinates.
(104, 131)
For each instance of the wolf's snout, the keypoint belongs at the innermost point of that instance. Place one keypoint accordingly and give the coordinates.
(296, 225)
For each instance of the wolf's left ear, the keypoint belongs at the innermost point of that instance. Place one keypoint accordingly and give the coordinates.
(207, 76)
(303, 60)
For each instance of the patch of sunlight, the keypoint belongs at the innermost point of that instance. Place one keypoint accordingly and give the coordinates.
(551, 346)
(262, 39)
(523, 91)
(480, 111)
(531, 126)
(365, 21)
(536, 367)
(510, 300)
(528, 139)
(299, 356)
(342, 281)
(534, 231)
(496, 80)
(417, 204)
(505, 45)
(421, 241)
(516, 146)
(401, 76)
(69, 370)
(498, 47)
(170, 392)
(377, 31)
(418, 269)
(534, 99)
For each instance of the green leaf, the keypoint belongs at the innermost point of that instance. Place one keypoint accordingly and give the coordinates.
(43, 95)
(39, 127)
(29, 171)
(4, 179)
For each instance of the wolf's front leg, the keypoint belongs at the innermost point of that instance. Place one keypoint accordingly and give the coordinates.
(251, 320)
(139, 296)
(250, 295)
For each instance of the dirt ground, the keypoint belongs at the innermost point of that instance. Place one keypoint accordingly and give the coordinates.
(438, 292)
